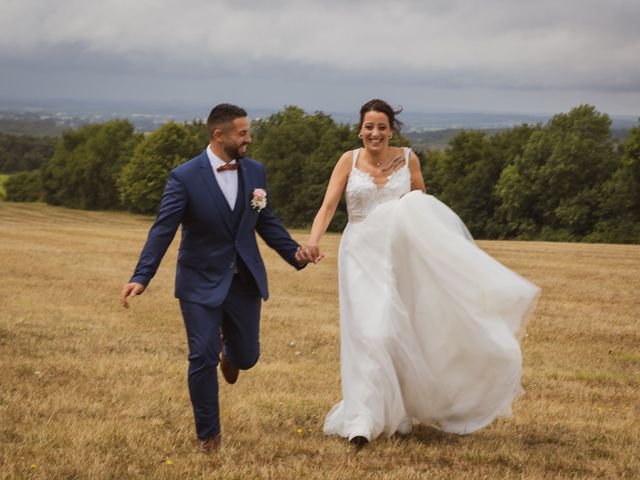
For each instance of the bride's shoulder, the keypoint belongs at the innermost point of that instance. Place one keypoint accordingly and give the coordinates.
(344, 164)
(413, 158)
(400, 150)
(346, 158)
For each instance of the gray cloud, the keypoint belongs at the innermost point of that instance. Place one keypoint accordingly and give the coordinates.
(579, 49)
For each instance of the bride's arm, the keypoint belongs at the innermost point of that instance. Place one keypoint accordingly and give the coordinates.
(417, 181)
(337, 184)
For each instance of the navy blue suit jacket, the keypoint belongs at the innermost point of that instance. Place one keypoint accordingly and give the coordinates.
(210, 241)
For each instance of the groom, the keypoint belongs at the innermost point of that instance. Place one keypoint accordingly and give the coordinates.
(219, 198)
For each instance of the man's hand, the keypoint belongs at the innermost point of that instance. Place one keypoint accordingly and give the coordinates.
(309, 254)
(301, 256)
(130, 290)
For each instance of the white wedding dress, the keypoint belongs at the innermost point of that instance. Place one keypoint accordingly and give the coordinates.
(429, 322)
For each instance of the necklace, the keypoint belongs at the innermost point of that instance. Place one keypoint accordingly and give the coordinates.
(393, 164)
(378, 163)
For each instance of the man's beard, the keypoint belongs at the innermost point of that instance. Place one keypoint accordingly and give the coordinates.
(233, 151)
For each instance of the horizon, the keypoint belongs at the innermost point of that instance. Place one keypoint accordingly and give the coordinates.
(147, 116)
(162, 107)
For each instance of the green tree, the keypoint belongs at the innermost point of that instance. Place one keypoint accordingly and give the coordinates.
(509, 146)
(619, 201)
(552, 188)
(143, 178)
(86, 164)
(432, 162)
(468, 175)
(24, 187)
(23, 153)
(299, 151)
(464, 175)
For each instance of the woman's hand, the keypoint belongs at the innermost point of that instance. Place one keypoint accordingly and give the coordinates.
(313, 252)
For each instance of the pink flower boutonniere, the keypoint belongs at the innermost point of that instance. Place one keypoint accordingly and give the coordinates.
(259, 200)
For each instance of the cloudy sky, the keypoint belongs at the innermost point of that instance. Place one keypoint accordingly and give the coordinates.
(520, 56)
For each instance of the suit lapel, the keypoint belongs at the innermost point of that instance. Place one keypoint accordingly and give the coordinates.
(246, 184)
(238, 207)
(219, 202)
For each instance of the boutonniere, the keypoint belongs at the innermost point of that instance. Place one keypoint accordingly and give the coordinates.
(259, 200)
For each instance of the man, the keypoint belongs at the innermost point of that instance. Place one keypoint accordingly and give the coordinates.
(219, 198)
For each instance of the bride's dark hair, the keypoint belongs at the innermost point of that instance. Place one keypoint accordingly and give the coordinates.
(377, 105)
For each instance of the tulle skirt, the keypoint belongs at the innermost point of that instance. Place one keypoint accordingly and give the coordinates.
(429, 324)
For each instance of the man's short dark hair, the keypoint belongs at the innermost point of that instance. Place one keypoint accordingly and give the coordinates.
(223, 113)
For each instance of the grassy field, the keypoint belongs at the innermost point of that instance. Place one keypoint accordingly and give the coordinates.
(90, 390)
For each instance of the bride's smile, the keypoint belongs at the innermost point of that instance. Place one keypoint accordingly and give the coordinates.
(375, 131)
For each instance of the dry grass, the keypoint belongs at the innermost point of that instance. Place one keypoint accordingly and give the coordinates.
(89, 390)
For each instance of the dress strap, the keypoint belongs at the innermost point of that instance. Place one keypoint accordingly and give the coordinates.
(355, 158)
(407, 152)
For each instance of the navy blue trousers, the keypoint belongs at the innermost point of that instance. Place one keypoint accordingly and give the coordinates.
(239, 320)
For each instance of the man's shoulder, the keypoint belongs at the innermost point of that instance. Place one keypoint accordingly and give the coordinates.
(251, 163)
(190, 166)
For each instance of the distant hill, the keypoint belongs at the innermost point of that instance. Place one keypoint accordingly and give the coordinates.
(439, 139)
(425, 129)
(31, 124)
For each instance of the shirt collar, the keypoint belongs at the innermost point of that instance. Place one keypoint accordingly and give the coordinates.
(215, 160)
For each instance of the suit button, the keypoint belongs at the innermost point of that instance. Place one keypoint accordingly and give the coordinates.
(235, 243)
(232, 266)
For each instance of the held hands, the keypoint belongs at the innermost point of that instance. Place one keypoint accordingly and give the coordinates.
(309, 254)
(313, 250)
(130, 290)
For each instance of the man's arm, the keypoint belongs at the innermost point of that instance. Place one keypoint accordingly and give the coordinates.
(271, 230)
(172, 207)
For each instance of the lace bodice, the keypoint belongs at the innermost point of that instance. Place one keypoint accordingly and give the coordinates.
(363, 195)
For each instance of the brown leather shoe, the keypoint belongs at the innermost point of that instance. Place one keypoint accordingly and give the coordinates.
(229, 372)
(211, 444)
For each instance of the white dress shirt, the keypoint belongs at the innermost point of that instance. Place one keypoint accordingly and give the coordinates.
(227, 180)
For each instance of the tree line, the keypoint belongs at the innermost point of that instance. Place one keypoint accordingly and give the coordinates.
(566, 180)
(21, 153)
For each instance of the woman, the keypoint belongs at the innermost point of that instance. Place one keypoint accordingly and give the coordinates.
(429, 322)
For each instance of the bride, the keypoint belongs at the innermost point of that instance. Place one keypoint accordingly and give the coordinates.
(429, 322)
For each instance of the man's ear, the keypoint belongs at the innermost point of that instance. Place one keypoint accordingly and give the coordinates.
(218, 135)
